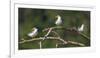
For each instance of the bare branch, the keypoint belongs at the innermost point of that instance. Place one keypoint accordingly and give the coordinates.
(83, 35)
(22, 39)
(40, 44)
(70, 42)
(56, 45)
(52, 38)
(41, 38)
(69, 29)
(55, 38)
(56, 33)
(60, 44)
(48, 32)
(76, 43)
(56, 27)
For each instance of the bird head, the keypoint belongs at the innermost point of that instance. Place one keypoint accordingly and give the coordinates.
(34, 28)
(58, 16)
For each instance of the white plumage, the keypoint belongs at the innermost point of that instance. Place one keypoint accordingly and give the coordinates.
(81, 28)
(58, 21)
(33, 33)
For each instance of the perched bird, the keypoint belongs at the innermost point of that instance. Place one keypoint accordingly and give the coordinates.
(33, 33)
(81, 28)
(58, 21)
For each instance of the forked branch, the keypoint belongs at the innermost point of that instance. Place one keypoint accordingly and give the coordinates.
(52, 38)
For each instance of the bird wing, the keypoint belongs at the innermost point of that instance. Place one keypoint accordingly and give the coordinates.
(58, 22)
(33, 33)
(30, 34)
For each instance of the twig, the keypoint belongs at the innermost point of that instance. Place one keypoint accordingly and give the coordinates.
(68, 29)
(48, 32)
(51, 30)
(76, 43)
(56, 27)
(83, 35)
(56, 33)
(70, 42)
(54, 38)
(56, 45)
(65, 42)
(59, 44)
(40, 44)
(22, 39)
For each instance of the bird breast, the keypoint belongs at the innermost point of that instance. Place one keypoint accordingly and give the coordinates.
(59, 21)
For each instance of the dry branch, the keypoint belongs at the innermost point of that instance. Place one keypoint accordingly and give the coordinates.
(40, 44)
(75, 43)
(49, 31)
(52, 38)
(70, 42)
(41, 38)
(67, 29)
(83, 35)
(52, 29)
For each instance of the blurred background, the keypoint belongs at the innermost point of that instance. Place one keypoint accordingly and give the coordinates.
(44, 18)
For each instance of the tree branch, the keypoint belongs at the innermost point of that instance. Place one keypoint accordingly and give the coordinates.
(52, 38)
(70, 42)
(51, 29)
(68, 29)
(56, 27)
(48, 32)
(76, 43)
(41, 38)
(83, 35)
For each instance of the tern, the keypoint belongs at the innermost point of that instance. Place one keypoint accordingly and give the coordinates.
(58, 21)
(33, 33)
(81, 28)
